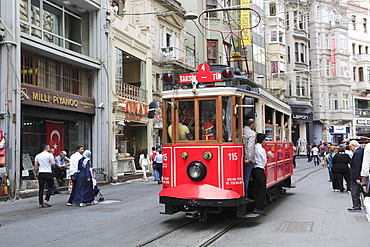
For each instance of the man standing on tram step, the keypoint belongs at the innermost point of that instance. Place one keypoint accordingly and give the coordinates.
(259, 177)
(73, 172)
(43, 172)
(249, 140)
(356, 163)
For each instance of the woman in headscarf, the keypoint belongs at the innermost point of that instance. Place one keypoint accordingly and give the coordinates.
(84, 188)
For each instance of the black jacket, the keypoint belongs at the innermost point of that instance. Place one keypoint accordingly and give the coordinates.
(356, 163)
(340, 162)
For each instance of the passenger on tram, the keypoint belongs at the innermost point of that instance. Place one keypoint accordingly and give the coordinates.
(208, 128)
(183, 131)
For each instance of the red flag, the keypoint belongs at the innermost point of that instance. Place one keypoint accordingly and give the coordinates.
(55, 136)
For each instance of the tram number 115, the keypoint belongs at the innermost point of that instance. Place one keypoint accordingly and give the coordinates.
(233, 156)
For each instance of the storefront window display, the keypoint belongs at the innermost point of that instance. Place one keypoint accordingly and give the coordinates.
(62, 130)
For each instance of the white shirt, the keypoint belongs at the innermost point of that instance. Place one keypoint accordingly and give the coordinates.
(315, 151)
(73, 161)
(43, 159)
(366, 161)
(261, 159)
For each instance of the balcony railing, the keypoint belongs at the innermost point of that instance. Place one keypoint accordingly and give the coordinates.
(362, 112)
(174, 54)
(129, 91)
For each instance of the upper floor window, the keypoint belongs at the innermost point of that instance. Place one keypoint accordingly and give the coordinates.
(360, 49)
(353, 22)
(51, 74)
(272, 9)
(211, 4)
(212, 51)
(296, 51)
(345, 101)
(336, 106)
(52, 23)
(327, 41)
(274, 67)
(287, 20)
(361, 74)
(365, 25)
(353, 49)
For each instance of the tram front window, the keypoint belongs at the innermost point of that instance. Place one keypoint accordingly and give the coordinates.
(186, 121)
(207, 120)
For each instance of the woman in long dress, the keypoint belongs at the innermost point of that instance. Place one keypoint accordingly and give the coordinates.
(144, 163)
(84, 188)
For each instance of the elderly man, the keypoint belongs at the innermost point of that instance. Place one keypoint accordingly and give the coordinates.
(356, 164)
(61, 165)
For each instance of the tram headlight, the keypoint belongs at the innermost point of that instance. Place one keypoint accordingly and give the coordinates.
(197, 171)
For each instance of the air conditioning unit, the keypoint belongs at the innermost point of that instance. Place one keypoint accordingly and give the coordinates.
(167, 49)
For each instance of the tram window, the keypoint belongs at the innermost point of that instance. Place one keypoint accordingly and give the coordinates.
(269, 127)
(168, 120)
(286, 128)
(279, 120)
(186, 120)
(248, 111)
(207, 120)
(227, 112)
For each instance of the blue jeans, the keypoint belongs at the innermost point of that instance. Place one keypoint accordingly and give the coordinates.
(155, 173)
(247, 173)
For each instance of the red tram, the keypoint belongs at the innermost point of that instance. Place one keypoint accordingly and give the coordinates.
(203, 169)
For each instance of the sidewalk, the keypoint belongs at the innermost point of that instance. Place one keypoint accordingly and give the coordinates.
(26, 193)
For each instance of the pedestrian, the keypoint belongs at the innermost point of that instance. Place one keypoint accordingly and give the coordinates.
(308, 152)
(159, 165)
(315, 155)
(44, 173)
(55, 189)
(341, 170)
(61, 166)
(356, 163)
(329, 164)
(365, 169)
(249, 141)
(144, 163)
(152, 156)
(84, 188)
(259, 177)
(294, 156)
(73, 172)
(299, 146)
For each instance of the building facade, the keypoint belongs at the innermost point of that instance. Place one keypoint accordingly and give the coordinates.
(330, 75)
(52, 61)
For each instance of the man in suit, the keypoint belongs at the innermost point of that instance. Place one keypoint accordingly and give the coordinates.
(356, 163)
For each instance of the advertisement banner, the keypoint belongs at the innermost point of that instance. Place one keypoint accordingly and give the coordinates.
(55, 136)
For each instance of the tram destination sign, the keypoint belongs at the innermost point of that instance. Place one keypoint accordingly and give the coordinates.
(204, 75)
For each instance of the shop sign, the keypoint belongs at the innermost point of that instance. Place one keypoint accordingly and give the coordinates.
(339, 129)
(43, 97)
(363, 121)
(133, 108)
(302, 117)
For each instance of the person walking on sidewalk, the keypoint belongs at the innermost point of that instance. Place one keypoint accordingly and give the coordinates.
(158, 164)
(144, 163)
(341, 170)
(152, 157)
(315, 155)
(43, 172)
(73, 172)
(356, 163)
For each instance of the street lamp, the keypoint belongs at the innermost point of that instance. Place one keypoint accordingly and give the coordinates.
(190, 16)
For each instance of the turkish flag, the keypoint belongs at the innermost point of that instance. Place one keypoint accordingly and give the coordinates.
(55, 136)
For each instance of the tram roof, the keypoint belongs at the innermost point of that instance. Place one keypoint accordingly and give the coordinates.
(259, 93)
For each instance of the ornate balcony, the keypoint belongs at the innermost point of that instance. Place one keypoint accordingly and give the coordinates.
(129, 91)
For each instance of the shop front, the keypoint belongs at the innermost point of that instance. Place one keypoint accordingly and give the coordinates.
(62, 120)
(131, 134)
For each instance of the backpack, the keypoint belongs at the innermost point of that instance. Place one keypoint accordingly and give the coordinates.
(154, 153)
